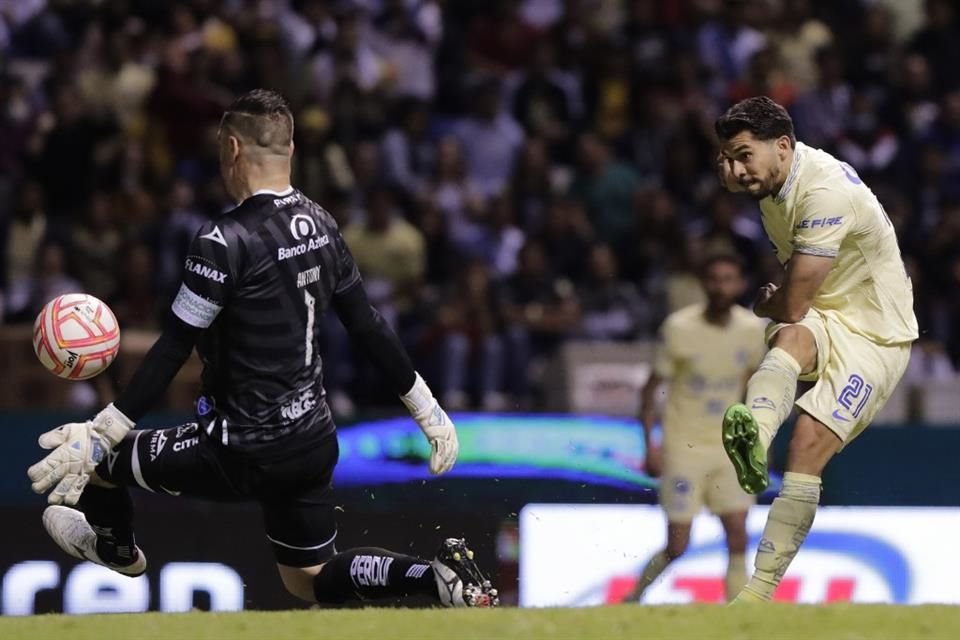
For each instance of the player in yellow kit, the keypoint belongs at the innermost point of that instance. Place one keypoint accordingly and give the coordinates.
(842, 318)
(706, 352)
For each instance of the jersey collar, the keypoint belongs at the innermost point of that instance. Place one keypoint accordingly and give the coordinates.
(271, 192)
(267, 192)
(798, 152)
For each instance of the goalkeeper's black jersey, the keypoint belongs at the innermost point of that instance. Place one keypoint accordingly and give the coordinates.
(259, 279)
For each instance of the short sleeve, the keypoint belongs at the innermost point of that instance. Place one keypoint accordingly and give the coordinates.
(664, 353)
(824, 218)
(209, 277)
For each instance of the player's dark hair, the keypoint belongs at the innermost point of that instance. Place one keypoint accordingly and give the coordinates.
(761, 116)
(261, 117)
(720, 258)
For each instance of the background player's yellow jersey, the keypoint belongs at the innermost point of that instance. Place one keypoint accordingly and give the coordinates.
(707, 366)
(825, 209)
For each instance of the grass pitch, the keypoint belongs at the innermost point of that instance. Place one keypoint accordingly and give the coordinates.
(838, 622)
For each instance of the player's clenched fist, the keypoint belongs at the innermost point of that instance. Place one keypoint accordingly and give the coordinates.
(435, 424)
(725, 174)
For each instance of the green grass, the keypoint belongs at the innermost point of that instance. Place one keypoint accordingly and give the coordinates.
(840, 622)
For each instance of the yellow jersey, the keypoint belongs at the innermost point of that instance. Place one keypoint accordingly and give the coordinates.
(707, 366)
(825, 209)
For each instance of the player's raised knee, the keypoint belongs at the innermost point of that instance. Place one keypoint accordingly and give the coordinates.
(798, 341)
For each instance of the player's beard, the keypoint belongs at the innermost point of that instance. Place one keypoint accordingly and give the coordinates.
(758, 194)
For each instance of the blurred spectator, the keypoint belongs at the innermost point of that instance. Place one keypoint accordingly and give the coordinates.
(939, 42)
(390, 254)
(567, 236)
(96, 248)
(798, 35)
(25, 235)
(506, 239)
(727, 43)
(320, 164)
(408, 152)
(821, 114)
(470, 325)
(532, 184)
(611, 309)
(610, 95)
(349, 60)
(404, 36)
(540, 101)
(138, 304)
(766, 75)
(868, 144)
(493, 138)
(871, 48)
(915, 101)
(606, 186)
(727, 231)
(456, 196)
(501, 40)
(180, 227)
(540, 309)
(50, 277)
(73, 145)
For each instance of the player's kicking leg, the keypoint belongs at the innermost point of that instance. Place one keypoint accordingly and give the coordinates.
(792, 512)
(748, 429)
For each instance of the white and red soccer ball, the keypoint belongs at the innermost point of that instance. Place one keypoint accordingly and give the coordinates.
(76, 336)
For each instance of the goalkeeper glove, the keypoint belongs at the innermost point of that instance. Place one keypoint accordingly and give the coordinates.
(435, 424)
(78, 447)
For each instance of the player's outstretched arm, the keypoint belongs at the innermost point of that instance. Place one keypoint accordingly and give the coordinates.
(791, 301)
(371, 334)
(78, 447)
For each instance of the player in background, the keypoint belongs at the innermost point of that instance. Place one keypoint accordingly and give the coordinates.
(843, 318)
(705, 354)
(255, 285)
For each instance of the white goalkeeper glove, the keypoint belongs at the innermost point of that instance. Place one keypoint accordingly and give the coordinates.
(435, 424)
(78, 447)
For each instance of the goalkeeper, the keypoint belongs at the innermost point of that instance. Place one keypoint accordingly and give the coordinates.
(255, 283)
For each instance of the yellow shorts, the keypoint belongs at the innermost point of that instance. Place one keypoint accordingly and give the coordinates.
(854, 376)
(697, 478)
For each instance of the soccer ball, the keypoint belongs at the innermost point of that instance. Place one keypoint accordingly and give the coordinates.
(76, 336)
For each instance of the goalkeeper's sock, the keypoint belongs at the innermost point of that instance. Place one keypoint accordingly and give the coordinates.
(651, 571)
(771, 392)
(110, 513)
(736, 576)
(366, 573)
(788, 522)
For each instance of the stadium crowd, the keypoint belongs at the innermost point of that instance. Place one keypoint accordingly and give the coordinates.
(509, 174)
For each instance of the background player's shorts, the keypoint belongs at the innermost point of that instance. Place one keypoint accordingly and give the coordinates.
(292, 482)
(854, 376)
(700, 477)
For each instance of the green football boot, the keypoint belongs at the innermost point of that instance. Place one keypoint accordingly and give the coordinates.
(741, 439)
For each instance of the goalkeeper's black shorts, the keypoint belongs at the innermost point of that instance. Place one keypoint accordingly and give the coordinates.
(291, 481)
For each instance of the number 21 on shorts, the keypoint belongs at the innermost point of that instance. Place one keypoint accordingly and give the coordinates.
(854, 396)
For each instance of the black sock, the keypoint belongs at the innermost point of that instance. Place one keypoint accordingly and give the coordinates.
(110, 513)
(369, 572)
